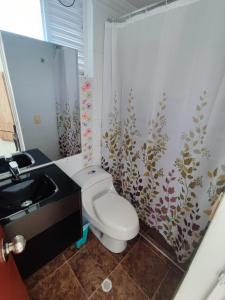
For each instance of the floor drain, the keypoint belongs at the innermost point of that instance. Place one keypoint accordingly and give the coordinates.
(106, 285)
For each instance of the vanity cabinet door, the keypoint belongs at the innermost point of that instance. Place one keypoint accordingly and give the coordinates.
(11, 283)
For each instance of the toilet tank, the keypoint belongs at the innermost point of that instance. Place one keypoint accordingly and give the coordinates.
(94, 178)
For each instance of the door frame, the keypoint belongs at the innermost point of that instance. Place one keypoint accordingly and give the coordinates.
(10, 92)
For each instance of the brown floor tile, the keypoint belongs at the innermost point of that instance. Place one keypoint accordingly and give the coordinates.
(130, 245)
(146, 267)
(45, 271)
(88, 271)
(169, 285)
(123, 288)
(70, 251)
(158, 240)
(61, 285)
(102, 256)
(76, 274)
(153, 235)
(117, 256)
(91, 235)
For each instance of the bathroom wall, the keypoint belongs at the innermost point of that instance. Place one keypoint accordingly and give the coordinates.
(1, 66)
(38, 98)
(99, 11)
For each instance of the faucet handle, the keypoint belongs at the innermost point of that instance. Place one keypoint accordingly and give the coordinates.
(13, 164)
(14, 169)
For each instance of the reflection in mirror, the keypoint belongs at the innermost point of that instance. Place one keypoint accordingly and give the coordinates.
(45, 97)
(7, 137)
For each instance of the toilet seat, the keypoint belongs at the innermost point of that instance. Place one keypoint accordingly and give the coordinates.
(116, 212)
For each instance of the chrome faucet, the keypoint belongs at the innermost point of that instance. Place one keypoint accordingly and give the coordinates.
(8, 157)
(14, 169)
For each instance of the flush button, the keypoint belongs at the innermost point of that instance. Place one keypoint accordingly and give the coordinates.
(91, 172)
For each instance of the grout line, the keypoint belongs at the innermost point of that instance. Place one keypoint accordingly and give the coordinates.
(114, 269)
(50, 274)
(160, 284)
(79, 283)
(135, 283)
(125, 256)
(53, 272)
(117, 263)
(162, 252)
(103, 280)
(67, 259)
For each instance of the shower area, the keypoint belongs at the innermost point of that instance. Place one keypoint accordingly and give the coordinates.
(163, 116)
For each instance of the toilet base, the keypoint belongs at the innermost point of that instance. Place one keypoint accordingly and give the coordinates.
(113, 245)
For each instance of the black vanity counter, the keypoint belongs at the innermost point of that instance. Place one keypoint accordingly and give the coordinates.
(65, 187)
(50, 225)
(39, 157)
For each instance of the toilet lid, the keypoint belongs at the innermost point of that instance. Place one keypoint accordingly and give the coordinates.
(115, 211)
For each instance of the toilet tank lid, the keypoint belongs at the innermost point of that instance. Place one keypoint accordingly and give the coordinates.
(90, 176)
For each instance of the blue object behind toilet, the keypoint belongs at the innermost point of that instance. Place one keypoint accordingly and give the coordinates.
(83, 240)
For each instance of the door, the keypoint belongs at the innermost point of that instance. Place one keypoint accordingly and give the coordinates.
(11, 283)
(8, 135)
(6, 118)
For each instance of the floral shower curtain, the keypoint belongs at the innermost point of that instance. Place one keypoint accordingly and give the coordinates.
(67, 100)
(163, 116)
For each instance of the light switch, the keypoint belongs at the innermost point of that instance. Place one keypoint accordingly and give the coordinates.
(37, 119)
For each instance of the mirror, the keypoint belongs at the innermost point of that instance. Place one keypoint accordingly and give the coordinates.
(42, 111)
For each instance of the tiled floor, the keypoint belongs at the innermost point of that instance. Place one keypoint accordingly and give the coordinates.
(154, 237)
(140, 273)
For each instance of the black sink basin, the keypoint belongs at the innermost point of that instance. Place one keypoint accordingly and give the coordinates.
(28, 191)
(4, 166)
(23, 159)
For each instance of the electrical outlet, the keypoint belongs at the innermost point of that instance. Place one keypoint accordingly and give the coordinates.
(37, 119)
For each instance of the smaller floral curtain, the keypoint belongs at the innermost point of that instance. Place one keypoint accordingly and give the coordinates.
(67, 100)
(86, 119)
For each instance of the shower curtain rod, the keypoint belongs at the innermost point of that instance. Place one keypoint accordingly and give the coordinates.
(139, 11)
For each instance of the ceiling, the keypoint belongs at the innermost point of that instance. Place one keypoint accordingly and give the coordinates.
(142, 3)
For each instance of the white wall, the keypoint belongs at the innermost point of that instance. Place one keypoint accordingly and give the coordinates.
(34, 95)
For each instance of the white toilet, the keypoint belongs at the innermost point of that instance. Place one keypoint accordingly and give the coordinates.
(112, 219)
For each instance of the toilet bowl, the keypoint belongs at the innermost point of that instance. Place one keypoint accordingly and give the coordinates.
(112, 219)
